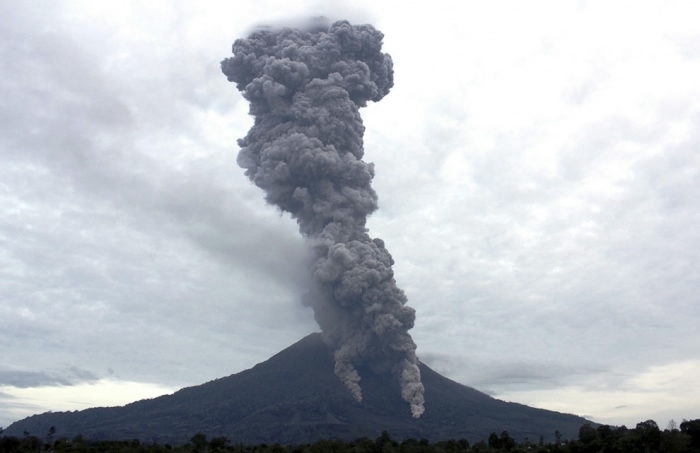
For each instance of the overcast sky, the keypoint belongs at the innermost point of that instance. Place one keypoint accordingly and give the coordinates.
(538, 173)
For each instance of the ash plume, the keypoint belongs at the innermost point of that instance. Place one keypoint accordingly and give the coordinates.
(305, 149)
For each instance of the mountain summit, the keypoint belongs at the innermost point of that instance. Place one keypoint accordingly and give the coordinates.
(295, 397)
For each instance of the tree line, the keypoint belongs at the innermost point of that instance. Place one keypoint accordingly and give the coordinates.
(646, 437)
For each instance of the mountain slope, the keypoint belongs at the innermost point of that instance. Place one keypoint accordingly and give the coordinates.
(294, 397)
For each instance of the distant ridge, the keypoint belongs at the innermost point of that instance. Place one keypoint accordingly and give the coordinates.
(294, 397)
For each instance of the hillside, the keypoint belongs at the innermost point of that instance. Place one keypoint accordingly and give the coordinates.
(294, 397)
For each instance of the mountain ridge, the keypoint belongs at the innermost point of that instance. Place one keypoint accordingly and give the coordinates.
(294, 397)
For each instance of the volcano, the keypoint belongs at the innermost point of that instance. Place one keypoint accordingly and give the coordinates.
(294, 397)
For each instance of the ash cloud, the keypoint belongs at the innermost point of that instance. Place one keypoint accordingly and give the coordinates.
(305, 87)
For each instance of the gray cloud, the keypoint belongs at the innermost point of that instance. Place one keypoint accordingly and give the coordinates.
(69, 375)
(108, 232)
(13, 405)
(305, 149)
(497, 376)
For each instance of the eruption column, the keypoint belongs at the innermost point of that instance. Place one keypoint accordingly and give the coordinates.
(305, 149)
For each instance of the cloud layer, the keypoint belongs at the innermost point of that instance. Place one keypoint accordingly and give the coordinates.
(537, 177)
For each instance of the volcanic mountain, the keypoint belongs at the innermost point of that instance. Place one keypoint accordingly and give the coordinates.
(294, 397)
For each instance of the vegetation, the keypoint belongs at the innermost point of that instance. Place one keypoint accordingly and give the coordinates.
(646, 437)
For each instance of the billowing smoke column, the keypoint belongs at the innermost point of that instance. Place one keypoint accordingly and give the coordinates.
(305, 150)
